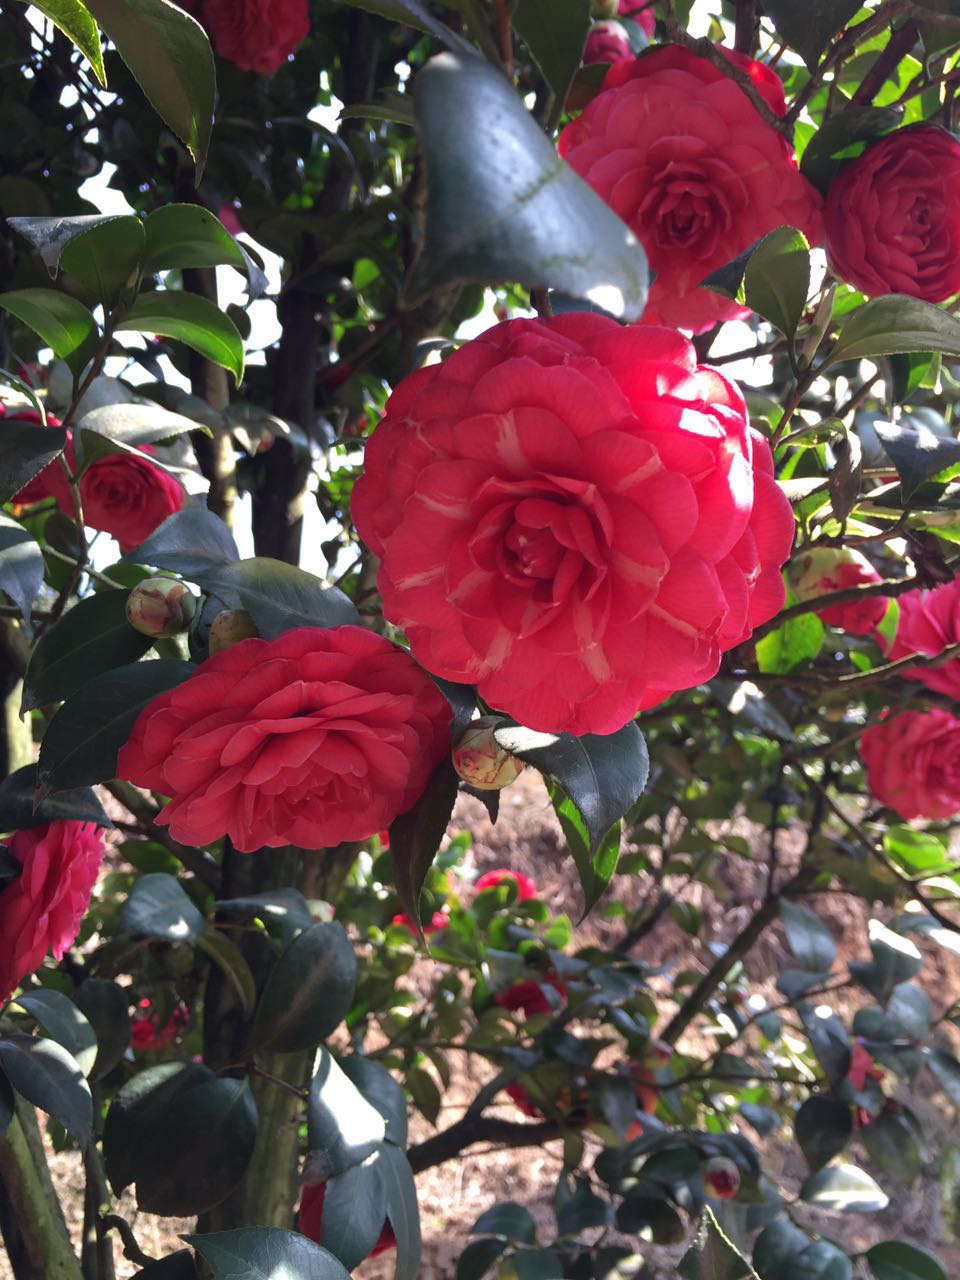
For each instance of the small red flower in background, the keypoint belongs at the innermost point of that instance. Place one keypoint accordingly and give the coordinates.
(862, 1066)
(518, 1094)
(41, 910)
(490, 879)
(439, 920)
(529, 997)
(310, 1219)
(256, 35)
(146, 1032)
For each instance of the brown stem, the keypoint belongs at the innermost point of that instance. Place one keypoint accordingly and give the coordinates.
(745, 28)
(890, 588)
(472, 1129)
(899, 44)
(215, 453)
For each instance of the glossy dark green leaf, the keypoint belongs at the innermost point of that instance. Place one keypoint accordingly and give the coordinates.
(74, 20)
(410, 13)
(64, 324)
(189, 543)
(843, 1188)
(277, 596)
(809, 937)
(92, 637)
(809, 27)
(21, 565)
(379, 1088)
(83, 739)
(424, 1093)
(555, 33)
(8, 1104)
(893, 323)
(772, 277)
(507, 207)
(892, 1141)
(285, 912)
(25, 449)
(50, 235)
(821, 161)
(828, 1039)
(48, 1076)
(823, 1127)
(175, 1266)
(478, 1257)
(182, 1134)
(797, 641)
(415, 836)
(509, 1220)
(895, 960)
(265, 1253)
(193, 320)
(20, 806)
(537, 1264)
(343, 1128)
(402, 1210)
(354, 1211)
(712, 1256)
(309, 991)
(105, 260)
(137, 424)
(64, 1022)
(897, 1260)
(776, 1247)
(603, 774)
(946, 1071)
(170, 57)
(105, 1004)
(158, 907)
(188, 235)
(230, 959)
(917, 452)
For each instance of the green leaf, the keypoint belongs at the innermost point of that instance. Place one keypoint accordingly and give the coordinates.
(897, 1260)
(712, 1256)
(189, 542)
(415, 836)
(843, 1188)
(797, 641)
(184, 1135)
(823, 1127)
(894, 323)
(193, 320)
(105, 1005)
(354, 1211)
(48, 1076)
(25, 449)
(511, 1221)
(917, 452)
(83, 739)
(136, 425)
(285, 910)
(919, 853)
(20, 806)
(822, 159)
(537, 1264)
(64, 324)
(343, 1129)
(478, 1257)
(21, 565)
(410, 13)
(188, 235)
(105, 260)
(892, 1143)
(777, 1245)
(555, 32)
(175, 1266)
(169, 56)
(809, 27)
(772, 277)
(379, 1088)
(230, 959)
(309, 991)
(424, 1093)
(595, 870)
(63, 1022)
(265, 1253)
(809, 938)
(277, 596)
(8, 1104)
(73, 19)
(895, 960)
(51, 235)
(92, 637)
(828, 1039)
(910, 1006)
(603, 774)
(158, 907)
(946, 1072)
(507, 207)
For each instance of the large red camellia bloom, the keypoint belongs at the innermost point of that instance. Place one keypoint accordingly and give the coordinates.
(41, 910)
(929, 621)
(574, 516)
(680, 153)
(913, 763)
(893, 216)
(256, 35)
(319, 736)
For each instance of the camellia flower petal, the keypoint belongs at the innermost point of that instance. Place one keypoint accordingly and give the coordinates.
(681, 154)
(256, 35)
(530, 997)
(526, 888)
(913, 763)
(929, 622)
(41, 910)
(574, 516)
(607, 42)
(318, 736)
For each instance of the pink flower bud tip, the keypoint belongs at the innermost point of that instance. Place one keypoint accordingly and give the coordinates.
(480, 760)
(160, 607)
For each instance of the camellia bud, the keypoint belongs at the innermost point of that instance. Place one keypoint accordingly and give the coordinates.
(604, 8)
(160, 607)
(823, 570)
(229, 628)
(480, 760)
(720, 1178)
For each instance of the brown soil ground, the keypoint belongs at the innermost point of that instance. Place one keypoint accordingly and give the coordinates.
(526, 838)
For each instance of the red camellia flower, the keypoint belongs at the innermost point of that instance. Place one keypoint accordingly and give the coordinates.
(312, 738)
(913, 763)
(519, 1096)
(680, 153)
(41, 909)
(530, 997)
(256, 35)
(826, 569)
(607, 42)
(439, 920)
(862, 1066)
(893, 216)
(146, 1032)
(929, 621)
(490, 879)
(574, 516)
(128, 497)
(310, 1219)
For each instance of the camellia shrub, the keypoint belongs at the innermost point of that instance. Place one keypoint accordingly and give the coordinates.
(405, 399)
